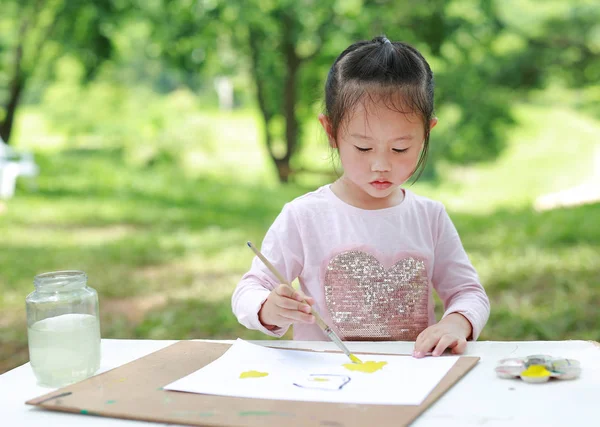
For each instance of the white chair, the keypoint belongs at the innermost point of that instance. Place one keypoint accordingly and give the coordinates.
(12, 165)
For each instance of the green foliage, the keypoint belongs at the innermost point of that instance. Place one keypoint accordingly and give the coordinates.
(486, 56)
(153, 193)
(46, 30)
(195, 318)
(38, 33)
(165, 247)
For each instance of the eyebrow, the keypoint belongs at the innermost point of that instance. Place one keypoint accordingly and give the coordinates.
(400, 138)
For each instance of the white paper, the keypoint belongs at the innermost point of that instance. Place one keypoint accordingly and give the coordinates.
(314, 376)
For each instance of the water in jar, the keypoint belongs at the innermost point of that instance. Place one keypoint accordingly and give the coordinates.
(64, 349)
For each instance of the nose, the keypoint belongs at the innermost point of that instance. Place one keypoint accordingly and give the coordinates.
(381, 163)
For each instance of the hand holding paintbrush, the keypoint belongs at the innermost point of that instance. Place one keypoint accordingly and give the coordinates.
(285, 306)
(288, 305)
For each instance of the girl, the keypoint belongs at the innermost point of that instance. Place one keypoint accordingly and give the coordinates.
(368, 252)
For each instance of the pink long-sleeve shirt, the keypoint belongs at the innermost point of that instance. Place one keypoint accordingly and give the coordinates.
(371, 272)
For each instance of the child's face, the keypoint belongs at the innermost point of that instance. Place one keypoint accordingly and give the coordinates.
(379, 149)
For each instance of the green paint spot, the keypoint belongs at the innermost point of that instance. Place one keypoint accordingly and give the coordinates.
(110, 402)
(160, 388)
(84, 411)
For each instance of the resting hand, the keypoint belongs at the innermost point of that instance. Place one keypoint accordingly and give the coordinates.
(449, 333)
(284, 306)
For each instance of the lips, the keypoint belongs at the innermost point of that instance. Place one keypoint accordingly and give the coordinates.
(381, 184)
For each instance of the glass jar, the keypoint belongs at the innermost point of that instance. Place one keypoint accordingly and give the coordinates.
(63, 328)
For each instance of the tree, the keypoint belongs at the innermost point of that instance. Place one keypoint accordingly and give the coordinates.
(488, 54)
(273, 40)
(40, 31)
(483, 58)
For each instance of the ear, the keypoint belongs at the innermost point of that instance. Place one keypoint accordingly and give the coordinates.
(432, 123)
(324, 120)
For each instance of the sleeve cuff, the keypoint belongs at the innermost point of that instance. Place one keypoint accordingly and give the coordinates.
(250, 319)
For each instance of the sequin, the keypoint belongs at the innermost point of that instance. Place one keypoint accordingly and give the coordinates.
(368, 302)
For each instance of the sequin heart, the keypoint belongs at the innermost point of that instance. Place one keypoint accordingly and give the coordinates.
(366, 301)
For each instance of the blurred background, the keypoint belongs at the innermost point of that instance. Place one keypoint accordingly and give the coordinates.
(153, 138)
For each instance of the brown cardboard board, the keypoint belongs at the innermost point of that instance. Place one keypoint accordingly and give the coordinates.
(134, 391)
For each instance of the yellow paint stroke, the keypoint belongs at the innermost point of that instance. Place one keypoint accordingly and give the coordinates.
(253, 374)
(368, 367)
(536, 371)
(354, 358)
(320, 380)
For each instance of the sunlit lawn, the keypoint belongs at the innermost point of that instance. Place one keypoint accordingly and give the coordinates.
(164, 245)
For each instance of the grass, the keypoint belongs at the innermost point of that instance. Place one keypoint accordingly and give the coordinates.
(165, 246)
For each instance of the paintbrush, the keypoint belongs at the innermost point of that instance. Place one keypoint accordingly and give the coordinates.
(330, 333)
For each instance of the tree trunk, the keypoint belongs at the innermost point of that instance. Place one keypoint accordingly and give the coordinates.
(16, 86)
(283, 169)
(292, 128)
(260, 94)
(281, 165)
(16, 89)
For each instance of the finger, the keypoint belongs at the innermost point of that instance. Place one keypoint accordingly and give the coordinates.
(444, 342)
(300, 296)
(289, 292)
(421, 336)
(290, 304)
(310, 300)
(460, 347)
(294, 316)
(285, 290)
(425, 343)
(419, 344)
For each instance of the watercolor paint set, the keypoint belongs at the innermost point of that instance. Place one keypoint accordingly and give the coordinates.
(538, 368)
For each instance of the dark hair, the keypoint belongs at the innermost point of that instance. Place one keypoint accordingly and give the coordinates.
(387, 71)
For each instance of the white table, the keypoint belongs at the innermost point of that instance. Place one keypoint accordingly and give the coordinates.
(480, 398)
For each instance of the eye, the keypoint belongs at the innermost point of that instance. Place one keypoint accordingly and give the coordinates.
(362, 150)
(399, 150)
